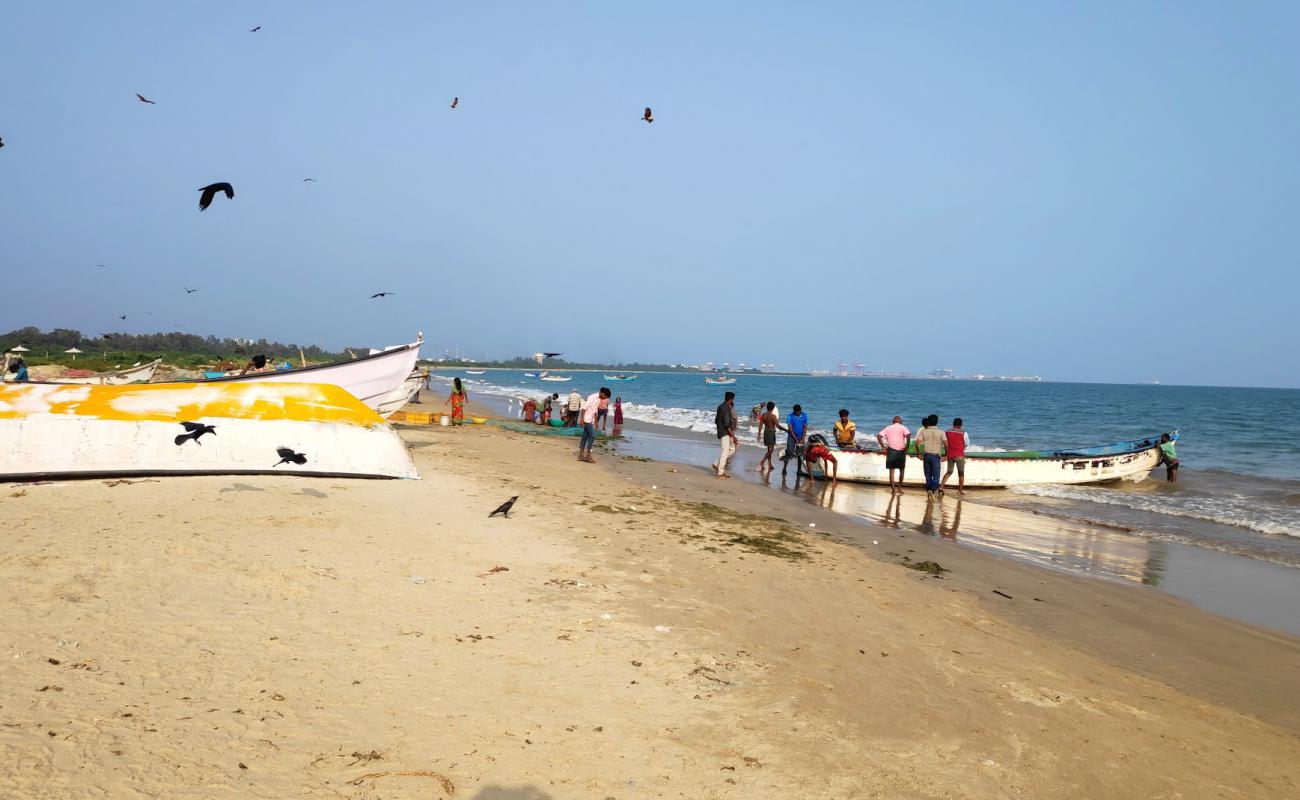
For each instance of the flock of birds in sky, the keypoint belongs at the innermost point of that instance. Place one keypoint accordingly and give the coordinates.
(210, 191)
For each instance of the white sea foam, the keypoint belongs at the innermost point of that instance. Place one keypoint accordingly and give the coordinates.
(1235, 510)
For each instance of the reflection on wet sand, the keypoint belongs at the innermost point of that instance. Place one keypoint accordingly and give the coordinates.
(1043, 540)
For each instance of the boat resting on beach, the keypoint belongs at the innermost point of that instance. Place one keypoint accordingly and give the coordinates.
(61, 431)
(402, 394)
(1132, 460)
(139, 373)
(369, 378)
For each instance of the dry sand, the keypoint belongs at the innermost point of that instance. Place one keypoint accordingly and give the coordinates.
(288, 637)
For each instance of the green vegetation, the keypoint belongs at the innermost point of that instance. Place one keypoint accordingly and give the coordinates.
(559, 365)
(186, 350)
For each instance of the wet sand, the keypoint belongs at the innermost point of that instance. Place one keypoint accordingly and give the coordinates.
(274, 637)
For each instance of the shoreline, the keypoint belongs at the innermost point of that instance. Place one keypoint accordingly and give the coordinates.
(1261, 592)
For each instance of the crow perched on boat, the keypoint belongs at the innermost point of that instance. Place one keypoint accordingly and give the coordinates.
(196, 429)
(504, 508)
(648, 116)
(188, 290)
(144, 99)
(210, 191)
(455, 101)
(287, 456)
(381, 294)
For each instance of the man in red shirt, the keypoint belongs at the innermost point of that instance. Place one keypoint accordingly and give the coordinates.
(819, 452)
(957, 443)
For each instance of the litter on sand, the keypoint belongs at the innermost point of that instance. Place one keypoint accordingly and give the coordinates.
(663, 629)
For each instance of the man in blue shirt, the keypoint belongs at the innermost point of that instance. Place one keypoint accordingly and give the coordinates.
(797, 429)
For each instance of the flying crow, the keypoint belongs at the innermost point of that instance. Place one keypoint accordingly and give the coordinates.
(188, 290)
(210, 191)
(455, 101)
(2, 142)
(287, 456)
(504, 508)
(551, 355)
(196, 429)
(255, 30)
(121, 316)
(144, 99)
(308, 180)
(381, 294)
(648, 116)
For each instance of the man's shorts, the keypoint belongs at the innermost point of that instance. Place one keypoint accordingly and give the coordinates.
(895, 459)
(793, 450)
(959, 463)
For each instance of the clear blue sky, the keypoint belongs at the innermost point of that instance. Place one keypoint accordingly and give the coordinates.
(1099, 191)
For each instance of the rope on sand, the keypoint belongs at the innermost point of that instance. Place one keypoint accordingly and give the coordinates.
(447, 785)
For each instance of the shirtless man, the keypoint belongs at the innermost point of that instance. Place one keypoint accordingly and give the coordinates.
(767, 426)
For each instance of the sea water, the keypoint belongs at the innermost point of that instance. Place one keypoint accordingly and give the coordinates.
(1238, 490)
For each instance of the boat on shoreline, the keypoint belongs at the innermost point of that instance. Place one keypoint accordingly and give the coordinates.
(75, 431)
(138, 373)
(403, 394)
(1132, 460)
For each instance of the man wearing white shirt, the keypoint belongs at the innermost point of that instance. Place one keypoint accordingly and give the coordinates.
(590, 407)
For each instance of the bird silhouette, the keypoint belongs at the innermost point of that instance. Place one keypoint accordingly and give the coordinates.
(121, 316)
(210, 191)
(287, 456)
(196, 429)
(108, 336)
(255, 30)
(551, 355)
(381, 294)
(188, 290)
(101, 265)
(306, 180)
(2, 142)
(504, 508)
(144, 99)
(455, 101)
(648, 116)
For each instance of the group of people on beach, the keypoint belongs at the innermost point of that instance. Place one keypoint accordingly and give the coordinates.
(570, 410)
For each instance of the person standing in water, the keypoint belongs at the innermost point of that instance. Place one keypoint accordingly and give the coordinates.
(1169, 457)
(929, 444)
(457, 400)
(894, 440)
(725, 422)
(767, 426)
(618, 413)
(796, 429)
(589, 411)
(957, 442)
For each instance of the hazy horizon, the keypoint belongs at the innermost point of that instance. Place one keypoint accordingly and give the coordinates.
(1089, 194)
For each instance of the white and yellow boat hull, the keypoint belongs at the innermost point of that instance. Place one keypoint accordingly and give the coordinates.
(54, 430)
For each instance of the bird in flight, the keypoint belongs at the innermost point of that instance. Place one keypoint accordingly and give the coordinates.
(455, 101)
(188, 290)
(101, 265)
(2, 142)
(381, 294)
(306, 180)
(287, 456)
(106, 336)
(551, 355)
(255, 30)
(210, 191)
(648, 116)
(144, 99)
(121, 316)
(195, 430)
(504, 508)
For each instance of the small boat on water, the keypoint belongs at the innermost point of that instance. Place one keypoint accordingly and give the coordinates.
(402, 394)
(475, 372)
(530, 374)
(138, 373)
(1132, 460)
(621, 377)
(721, 380)
(556, 378)
(68, 431)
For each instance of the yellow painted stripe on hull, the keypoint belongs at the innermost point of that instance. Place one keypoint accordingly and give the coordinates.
(170, 402)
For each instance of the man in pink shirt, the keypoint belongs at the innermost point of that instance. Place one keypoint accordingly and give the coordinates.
(894, 440)
(590, 407)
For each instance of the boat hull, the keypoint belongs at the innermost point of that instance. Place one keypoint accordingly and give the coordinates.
(996, 471)
(402, 395)
(59, 431)
(370, 379)
(141, 374)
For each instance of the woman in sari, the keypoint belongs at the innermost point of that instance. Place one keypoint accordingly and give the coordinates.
(457, 402)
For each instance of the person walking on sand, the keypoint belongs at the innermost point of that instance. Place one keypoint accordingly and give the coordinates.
(574, 406)
(796, 429)
(1168, 457)
(589, 410)
(457, 400)
(767, 425)
(725, 422)
(894, 440)
(929, 444)
(845, 430)
(957, 442)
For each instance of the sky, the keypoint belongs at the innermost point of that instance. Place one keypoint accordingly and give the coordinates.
(1091, 192)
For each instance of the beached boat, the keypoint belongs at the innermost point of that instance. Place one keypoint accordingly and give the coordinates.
(369, 378)
(621, 377)
(721, 380)
(1132, 460)
(139, 373)
(63, 431)
(402, 394)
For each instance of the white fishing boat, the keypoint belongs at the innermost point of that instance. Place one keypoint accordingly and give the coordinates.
(556, 378)
(475, 372)
(621, 377)
(369, 378)
(402, 394)
(65, 431)
(1131, 460)
(138, 373)
(721, 380)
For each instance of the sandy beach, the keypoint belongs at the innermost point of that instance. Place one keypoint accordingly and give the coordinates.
(634, 629)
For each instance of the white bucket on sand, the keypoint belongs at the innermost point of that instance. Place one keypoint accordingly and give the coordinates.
(444, 420)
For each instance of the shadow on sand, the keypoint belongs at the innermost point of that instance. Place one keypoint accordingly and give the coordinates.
(510, 793)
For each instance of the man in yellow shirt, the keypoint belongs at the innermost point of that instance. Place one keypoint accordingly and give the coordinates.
(845, 430)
